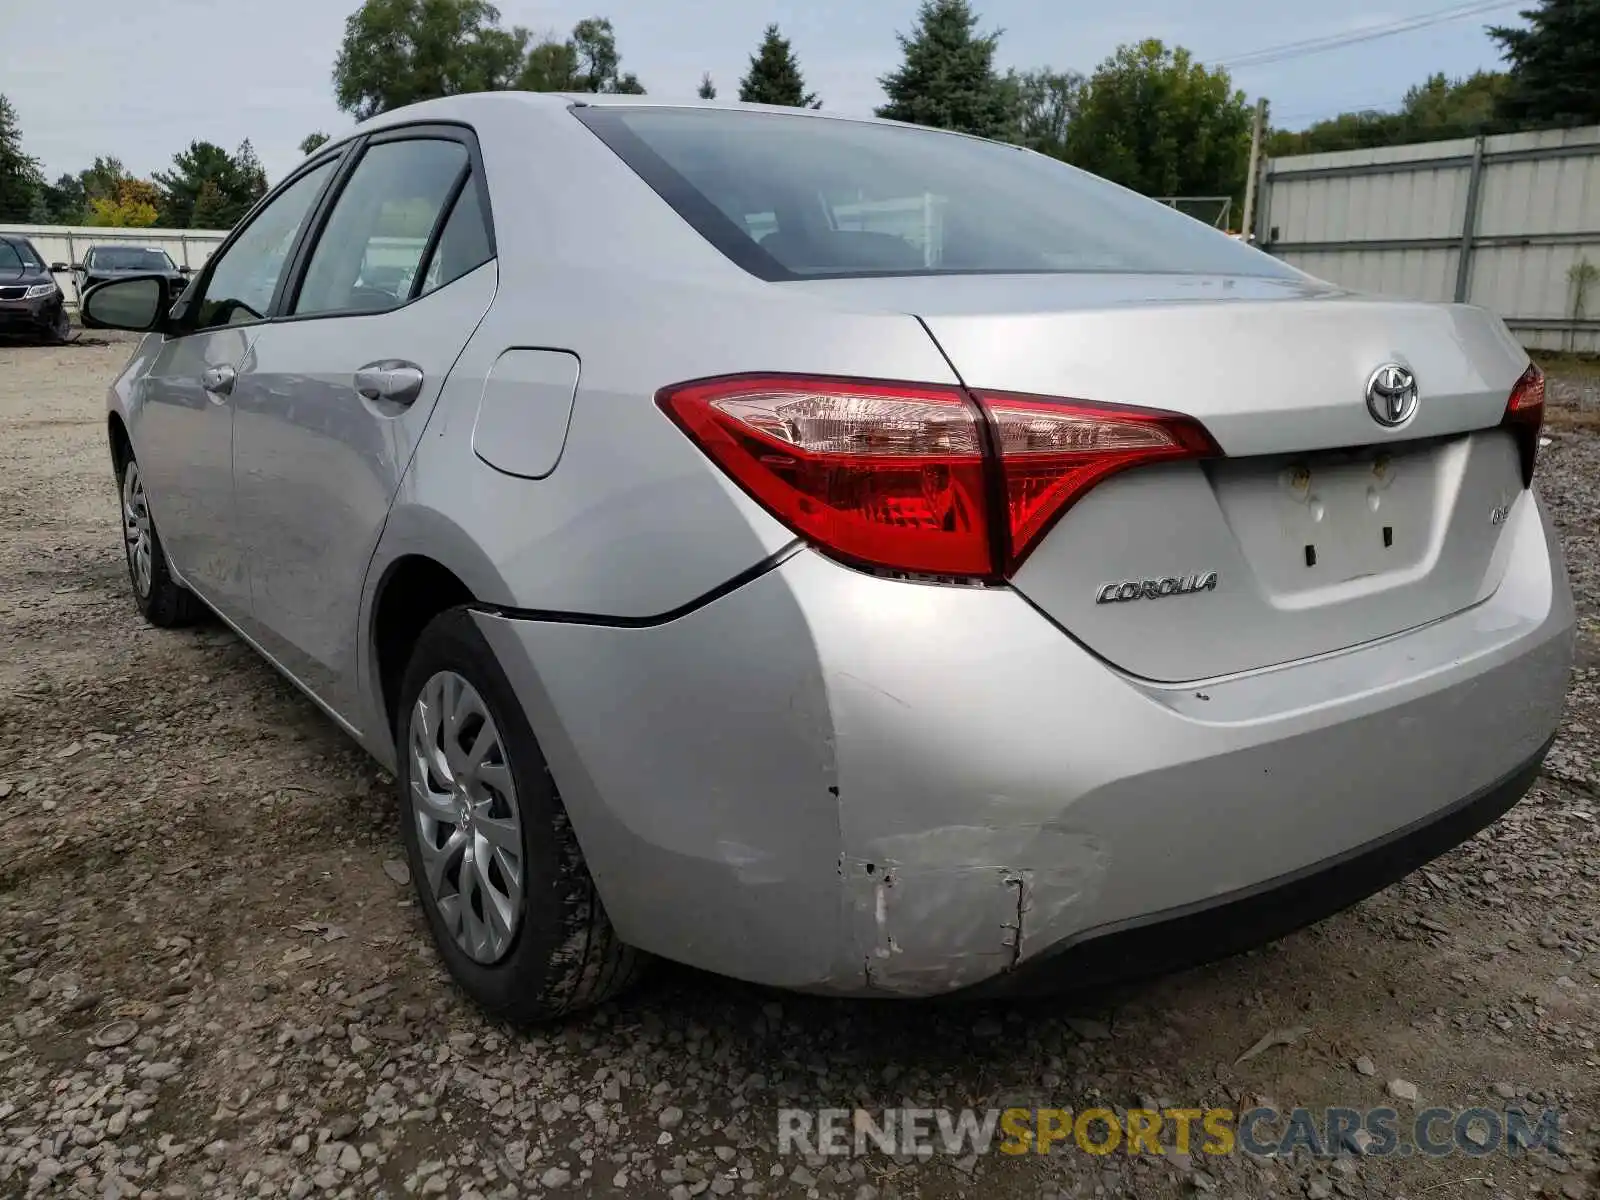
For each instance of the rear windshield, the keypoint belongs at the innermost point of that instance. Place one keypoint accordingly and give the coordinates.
(796, 197)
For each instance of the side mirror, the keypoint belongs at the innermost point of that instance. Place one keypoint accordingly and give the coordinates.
(184, 270)
(138, 303)
(76, 267)
(59, 267)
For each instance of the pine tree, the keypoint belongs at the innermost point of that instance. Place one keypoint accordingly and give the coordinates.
(774, 76)
(1555, 64)
(948, 78)
(210, 208)
(707, 89)
(21, 183)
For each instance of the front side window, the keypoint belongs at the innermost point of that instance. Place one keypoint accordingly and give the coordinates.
(794, 197)
(241, 286)
(368, 256)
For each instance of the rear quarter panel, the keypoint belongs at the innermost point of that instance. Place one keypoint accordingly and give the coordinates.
(634, 522)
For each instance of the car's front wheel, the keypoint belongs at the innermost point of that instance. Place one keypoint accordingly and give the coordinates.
(496, 864)
(60, 330)
(162, 600)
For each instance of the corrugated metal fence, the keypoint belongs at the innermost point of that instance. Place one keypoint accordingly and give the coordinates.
(1506, 222)
(66, 243)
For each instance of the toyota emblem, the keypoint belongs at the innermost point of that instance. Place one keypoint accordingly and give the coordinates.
(1392, 395)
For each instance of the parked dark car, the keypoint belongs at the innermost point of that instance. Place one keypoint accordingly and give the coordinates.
(30, 300)
(115, 261)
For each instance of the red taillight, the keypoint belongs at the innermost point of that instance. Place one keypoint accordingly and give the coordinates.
(918, 478)
(1525, 418)
(1053, 451)
(884, 474)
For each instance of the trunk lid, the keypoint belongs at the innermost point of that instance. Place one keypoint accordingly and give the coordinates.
(1320, 529)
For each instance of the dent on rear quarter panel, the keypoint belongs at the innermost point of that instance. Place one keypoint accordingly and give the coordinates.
(749, 804)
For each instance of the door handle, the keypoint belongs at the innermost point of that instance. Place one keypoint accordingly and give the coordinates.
(218, 379)
(391, 379)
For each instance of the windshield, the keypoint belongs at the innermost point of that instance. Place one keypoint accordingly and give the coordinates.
(789, 197)
(131, 258)
(10, 260)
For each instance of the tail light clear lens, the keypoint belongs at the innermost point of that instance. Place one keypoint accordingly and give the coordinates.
(887, 475)
(918, 478)
(1525, 418)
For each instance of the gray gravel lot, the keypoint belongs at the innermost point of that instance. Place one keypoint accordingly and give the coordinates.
(212, 983)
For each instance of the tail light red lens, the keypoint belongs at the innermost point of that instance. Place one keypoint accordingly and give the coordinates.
(1053, 451)
(1525, 418)
(923, 479)
(883, 474)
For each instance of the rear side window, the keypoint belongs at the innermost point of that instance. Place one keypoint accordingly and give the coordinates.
(368, 256)
(463, 243)
(794, 197)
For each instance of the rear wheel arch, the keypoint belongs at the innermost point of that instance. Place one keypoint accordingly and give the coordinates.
(413, 590)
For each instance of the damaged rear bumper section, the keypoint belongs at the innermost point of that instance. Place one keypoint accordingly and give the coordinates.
(837, 783)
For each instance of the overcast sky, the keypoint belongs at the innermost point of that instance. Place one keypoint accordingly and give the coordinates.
(140, 81)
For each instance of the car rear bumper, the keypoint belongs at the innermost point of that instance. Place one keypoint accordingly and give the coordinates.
(1172, 941)
(835, 782)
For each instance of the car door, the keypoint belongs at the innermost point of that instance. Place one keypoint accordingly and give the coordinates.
(181, 423)
(333, 398)
(80, 273)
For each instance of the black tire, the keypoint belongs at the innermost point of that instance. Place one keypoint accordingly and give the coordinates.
(564, 955)
(60, 333)
(167, 604)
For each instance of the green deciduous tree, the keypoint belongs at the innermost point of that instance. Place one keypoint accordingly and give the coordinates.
(1155, 120)
(585, 62)
(551, 66)
(774, 75)
(947, 78)
(21, 183)
(313, 142)
(1440, 107)
(236, 181)
(398, 52)
(132, 204)
(599, 65)
(100, 181)
(1045, 103)
(707, 90)
(1555, 63)
(1436, 108)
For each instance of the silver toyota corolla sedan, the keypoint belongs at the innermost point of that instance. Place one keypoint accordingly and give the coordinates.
(841, 555)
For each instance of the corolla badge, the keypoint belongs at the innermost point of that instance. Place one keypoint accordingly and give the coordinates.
(1156, 589)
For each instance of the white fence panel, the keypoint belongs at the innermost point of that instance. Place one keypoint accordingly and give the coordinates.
(66, 243)
(1503, 222)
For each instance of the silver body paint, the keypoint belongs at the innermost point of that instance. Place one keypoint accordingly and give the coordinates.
(793, 772)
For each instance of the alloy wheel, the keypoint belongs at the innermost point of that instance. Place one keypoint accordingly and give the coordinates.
(136, 530)
(468, 824)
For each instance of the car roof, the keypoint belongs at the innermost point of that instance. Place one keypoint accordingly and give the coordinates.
(474, 106)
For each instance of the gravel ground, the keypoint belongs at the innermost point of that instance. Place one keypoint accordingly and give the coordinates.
(213, 982)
